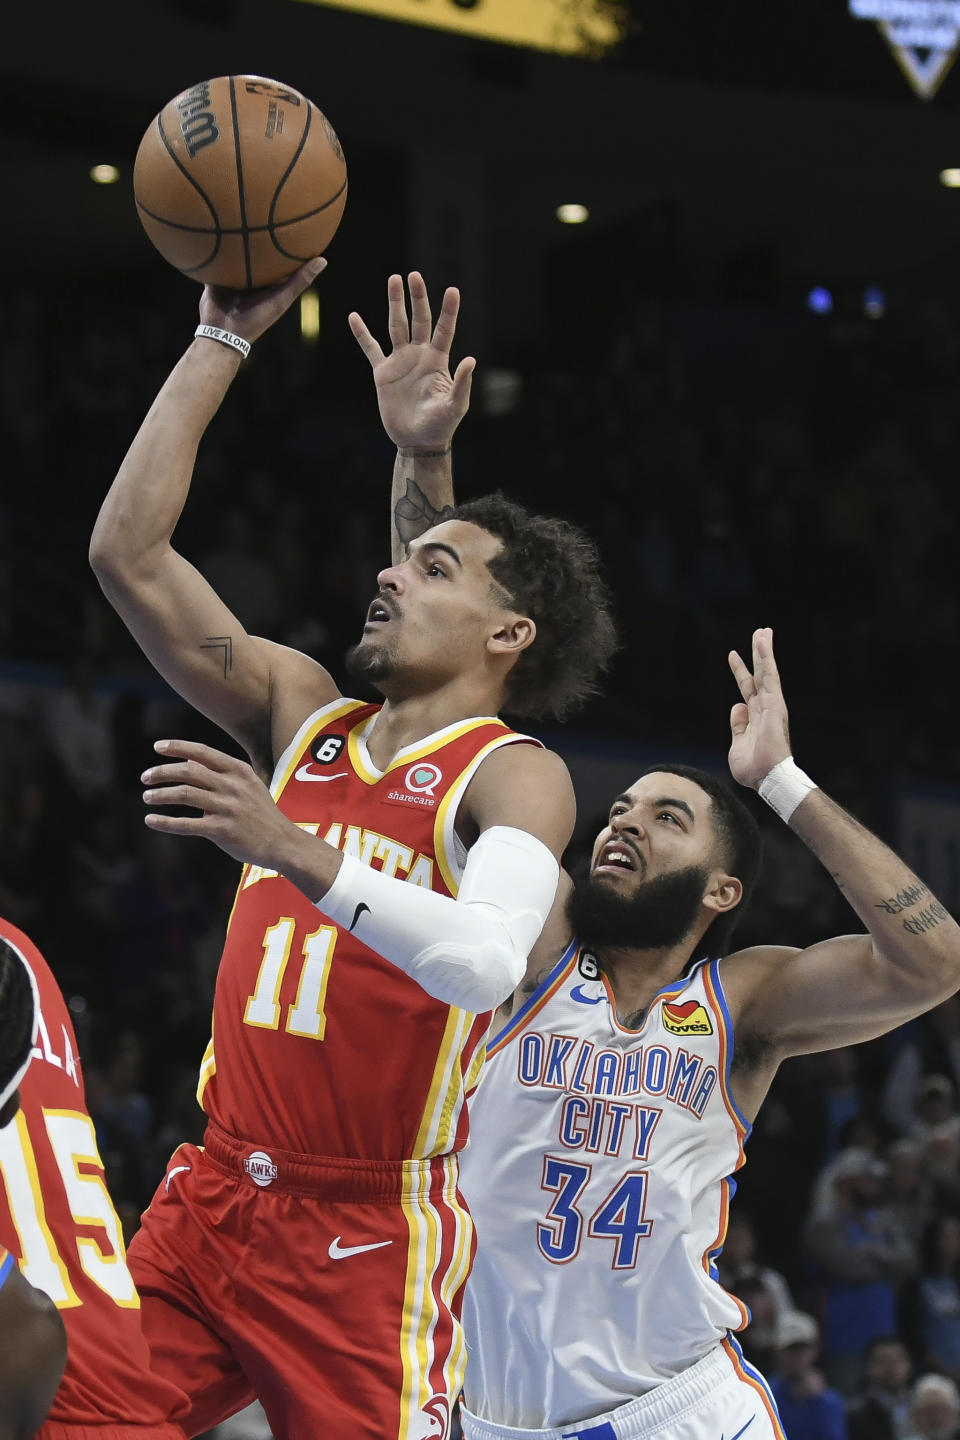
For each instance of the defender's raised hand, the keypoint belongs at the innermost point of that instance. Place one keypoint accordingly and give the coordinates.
(421, 403)
(758, 723)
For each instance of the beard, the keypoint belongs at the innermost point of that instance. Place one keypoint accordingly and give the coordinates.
(656, 917)
(371, 664)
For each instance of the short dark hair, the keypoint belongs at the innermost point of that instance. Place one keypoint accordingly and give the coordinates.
(551, 572)
(738, 835)
(16, 1013)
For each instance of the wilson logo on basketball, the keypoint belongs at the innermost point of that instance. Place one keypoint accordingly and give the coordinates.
(687, 1019)
(198, 124)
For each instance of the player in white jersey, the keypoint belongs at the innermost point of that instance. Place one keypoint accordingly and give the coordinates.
(622, 1083)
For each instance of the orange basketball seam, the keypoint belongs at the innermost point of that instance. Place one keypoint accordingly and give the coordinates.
(240, 195)
(290, 168)
(238, 229)
(199, 229)
(280, 224)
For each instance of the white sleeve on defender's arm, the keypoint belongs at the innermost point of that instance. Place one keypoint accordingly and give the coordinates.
(472, 951)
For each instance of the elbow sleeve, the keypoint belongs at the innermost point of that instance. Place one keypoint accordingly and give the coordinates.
(472, 951)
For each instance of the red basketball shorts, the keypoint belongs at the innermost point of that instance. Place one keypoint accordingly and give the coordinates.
(54, 1430)
(329, 1289)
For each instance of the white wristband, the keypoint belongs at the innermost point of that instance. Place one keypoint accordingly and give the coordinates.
(784, 787)
(226, 337)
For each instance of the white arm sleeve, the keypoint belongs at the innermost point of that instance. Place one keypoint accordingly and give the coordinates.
(472, 951)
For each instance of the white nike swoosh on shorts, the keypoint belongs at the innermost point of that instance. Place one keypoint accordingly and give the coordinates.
(305, 773)
(340, 1252)
(175, 1171)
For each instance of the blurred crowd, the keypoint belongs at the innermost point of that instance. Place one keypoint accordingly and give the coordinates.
(825, 507)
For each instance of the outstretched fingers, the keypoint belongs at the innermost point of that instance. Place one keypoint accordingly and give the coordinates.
(446, 326)
(742, 675)
(190, 780)
(462, 382)
(216, 760)
(764, 665)
(739, 719)
(176, 824)
(370, 347)
(420, 317)
(397, 324)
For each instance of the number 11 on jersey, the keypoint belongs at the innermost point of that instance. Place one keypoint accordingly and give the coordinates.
(306, 1015)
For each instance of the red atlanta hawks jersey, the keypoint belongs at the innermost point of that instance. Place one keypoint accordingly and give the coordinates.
(57, 1218)
(319, 1045)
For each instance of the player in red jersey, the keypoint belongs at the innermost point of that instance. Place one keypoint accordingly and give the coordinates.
(396, 873)
(33, 1344)
(57, 1218)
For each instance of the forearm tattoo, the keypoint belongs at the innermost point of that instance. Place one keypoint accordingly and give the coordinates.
(928, 918)
(903, 900)
(224, 643)
(413, 513)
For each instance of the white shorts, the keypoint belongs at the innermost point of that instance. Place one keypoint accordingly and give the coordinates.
(719, 1398)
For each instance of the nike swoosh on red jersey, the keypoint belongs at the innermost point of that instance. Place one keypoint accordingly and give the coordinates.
(305, 773)
(340, 1252)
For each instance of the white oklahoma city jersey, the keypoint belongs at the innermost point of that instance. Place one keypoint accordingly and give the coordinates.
(599, 1177)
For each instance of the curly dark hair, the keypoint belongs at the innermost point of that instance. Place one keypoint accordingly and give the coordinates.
(550, 571)
(16, 1013)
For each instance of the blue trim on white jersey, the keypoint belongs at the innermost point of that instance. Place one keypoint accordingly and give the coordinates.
(537, 994)
(6, 1268)
(755, 1374)
(728, 1023)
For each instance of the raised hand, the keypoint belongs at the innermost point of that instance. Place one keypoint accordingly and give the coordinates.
(237, 811)
(758, 722)
(248, 313)
(421, 403)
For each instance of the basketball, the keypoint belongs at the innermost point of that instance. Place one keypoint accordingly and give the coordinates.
(239, 180)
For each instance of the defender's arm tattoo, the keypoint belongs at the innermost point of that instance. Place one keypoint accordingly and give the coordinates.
(413, 513)
(927, 918)
(903, 900)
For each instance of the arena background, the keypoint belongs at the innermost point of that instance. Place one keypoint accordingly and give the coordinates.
(740, 374)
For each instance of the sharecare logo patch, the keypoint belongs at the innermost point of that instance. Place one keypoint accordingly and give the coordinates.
(421, 779)
(418, 786)
(689, 1018)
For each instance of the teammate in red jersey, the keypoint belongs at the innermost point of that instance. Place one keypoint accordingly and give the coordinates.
(57, 1219)
(33, 1344)
(396, 874)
